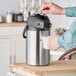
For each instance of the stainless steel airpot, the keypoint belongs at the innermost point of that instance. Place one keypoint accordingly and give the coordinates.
(38, 26)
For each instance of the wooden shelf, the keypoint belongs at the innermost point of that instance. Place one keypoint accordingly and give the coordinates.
(12, 24)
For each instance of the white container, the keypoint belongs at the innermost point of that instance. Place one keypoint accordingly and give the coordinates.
(1, 20)
(25, 14)
(9, 17)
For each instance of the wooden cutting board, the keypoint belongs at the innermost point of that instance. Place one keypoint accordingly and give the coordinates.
(53, 67)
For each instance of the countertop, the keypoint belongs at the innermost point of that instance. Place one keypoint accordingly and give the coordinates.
(12, 24)
(53, 67)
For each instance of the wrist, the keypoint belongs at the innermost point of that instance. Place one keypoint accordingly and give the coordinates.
(63, 11)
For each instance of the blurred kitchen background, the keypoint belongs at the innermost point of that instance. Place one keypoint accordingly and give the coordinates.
(11, 5)
(16, 6)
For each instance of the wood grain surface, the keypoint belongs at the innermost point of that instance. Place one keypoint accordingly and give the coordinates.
(53, 67)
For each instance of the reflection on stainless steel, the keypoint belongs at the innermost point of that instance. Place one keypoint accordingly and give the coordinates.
(36, 54)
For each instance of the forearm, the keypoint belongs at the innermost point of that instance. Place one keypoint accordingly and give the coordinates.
(68, 11)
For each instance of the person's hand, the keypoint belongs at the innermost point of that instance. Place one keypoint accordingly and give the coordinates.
(54, 42)
(51, 8)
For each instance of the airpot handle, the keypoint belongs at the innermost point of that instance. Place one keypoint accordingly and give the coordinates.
(25, 29)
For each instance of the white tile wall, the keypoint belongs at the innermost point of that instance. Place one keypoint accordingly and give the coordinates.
(11, 5)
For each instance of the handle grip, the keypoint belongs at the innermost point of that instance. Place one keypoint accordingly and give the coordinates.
(25, 29)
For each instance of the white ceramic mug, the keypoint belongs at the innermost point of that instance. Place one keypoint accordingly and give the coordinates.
(46, 42)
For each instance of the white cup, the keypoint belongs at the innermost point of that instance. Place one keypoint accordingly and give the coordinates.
(0, 18)
(46, 42)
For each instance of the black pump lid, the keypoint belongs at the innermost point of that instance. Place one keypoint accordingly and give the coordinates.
(39, 21)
